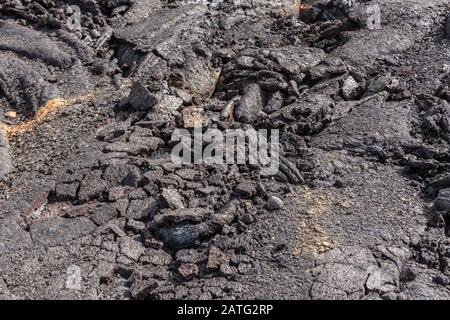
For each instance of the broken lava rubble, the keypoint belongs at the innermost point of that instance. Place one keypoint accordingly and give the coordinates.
(360, 208)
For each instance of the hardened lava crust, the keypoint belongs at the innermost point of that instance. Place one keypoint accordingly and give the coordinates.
(92, 205)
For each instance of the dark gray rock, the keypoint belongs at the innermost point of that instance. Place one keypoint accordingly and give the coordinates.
(140, 98)
(350, 89)
(32, 44)
(133, 149)
(442, 202)
(120, 192)
(56, 231)
(179, 237)
(65, 191)
(171, 198)
(170, 217)
(153, 143)
(143, 288)
(122, 175)
(251, 105)
(349, 151)
(226, 215)
(104, 271)
(246, 189)
(157, 257)
(135, 226)
(103, 214)
(307, 116)
(274, 203)
(92, 186)
(131, 249)
(190, 174)
(30, 91)
(188, 271)
(342, 274)
(275, 102)
(13, 237)
(141, 209)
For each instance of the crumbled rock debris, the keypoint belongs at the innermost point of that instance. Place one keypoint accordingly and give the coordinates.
(91, 92)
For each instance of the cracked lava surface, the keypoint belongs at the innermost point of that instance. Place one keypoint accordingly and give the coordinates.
(360, 207)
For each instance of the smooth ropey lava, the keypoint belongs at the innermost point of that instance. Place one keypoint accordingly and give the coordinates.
(93, 204)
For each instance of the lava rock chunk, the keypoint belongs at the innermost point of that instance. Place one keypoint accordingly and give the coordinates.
(251, 105)
(56, 231)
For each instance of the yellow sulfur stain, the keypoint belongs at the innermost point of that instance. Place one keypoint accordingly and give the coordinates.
(49, 107)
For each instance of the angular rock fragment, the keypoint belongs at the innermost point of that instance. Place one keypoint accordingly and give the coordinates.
(328, 68)
(92, 186)
(442, 202)
(251, 105)
(56, 231)
(275, 102)
(171, 198)
(122, 175)
(216, 258)
(140, 98)
(157, 257)
(103, 214)
(200, 78)
(188, 271)
(190, 174)
(169, 105)
(77, 211)
(153, 143)
(149, 46)
(190, 256)
(116, 193)
(246, 189)
(191, 215)
(135, 226)
(226, 215)
(179, 237)
(140, 209)
(226, 270)
(131, 248)
(133, 149)
(65, 191)
(350, 88)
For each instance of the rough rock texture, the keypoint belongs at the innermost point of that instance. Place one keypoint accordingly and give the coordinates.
(89, 99)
